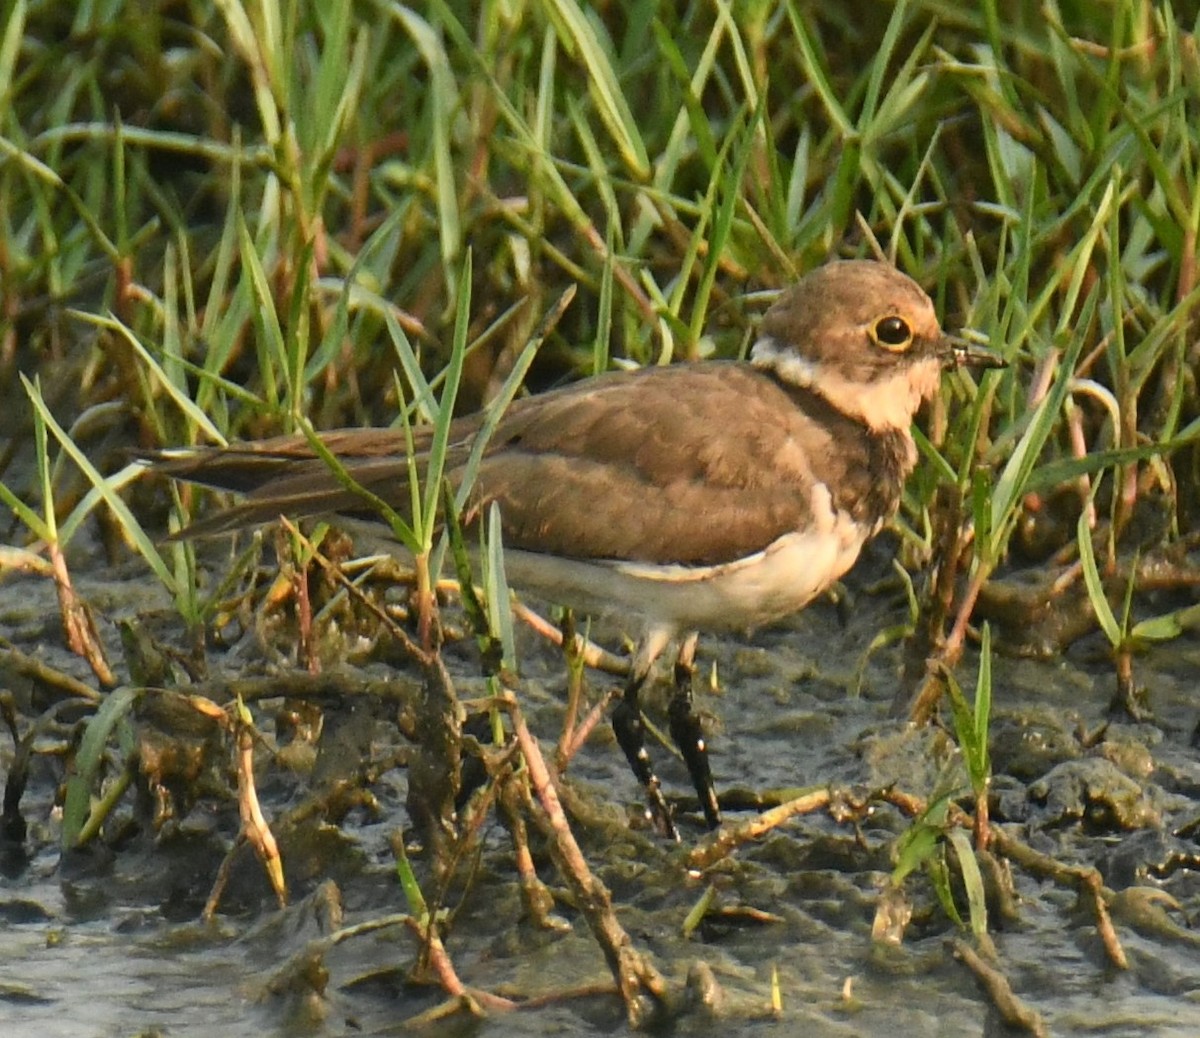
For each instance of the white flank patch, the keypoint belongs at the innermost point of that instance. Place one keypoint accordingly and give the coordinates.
(770, 584)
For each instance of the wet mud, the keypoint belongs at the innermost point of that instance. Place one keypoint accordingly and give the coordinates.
(108, 939)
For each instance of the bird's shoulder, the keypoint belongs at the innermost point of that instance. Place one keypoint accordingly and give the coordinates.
(674, 424)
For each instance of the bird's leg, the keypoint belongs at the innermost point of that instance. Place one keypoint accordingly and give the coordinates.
(687, 733)
(631, 733)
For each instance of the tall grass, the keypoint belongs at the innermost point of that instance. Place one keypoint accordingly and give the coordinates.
(237, 204)
(234, 218)
(217, 220)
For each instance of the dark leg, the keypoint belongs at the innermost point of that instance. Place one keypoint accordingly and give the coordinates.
(631, 736)
(688, 735)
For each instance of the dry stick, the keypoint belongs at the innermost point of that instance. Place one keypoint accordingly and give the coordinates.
(299, 685)
(549, 998)
(594, 656)
(254, 825)
(14, 559)
(952, 651)
(1079, 449)
(78, 623)
(301, 968)
(581, 734)
(12, 658)
(334, 571)
(1088, 882)
(1014, 1012)
(640, 299)
(337, 799)
(443, 968)
(948, 654)
(1099, 895)
(443, 1011)
(580, 654)
(728, 838)
(632, 971)
(462, 996)
(539, 902)
(254, 829)
(503, 791)
(222, 879)
(575, 667)
(304, 619)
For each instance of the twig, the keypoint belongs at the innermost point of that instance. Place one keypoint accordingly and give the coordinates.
(462, 997)
(594, 656)
(539, 902)
(254, 826)
(334, 572)
(947, 655)
(580, 735)
(301, 685)
(38, 670)
(1014, 1012)
(1088, 882)
(727, 838)
(221, 880)
(575, 667)
(79, 625)
(633, 972)
(306, 647)
(439, 961)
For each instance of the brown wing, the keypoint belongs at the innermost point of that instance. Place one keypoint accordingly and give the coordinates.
(652, 466)
(690, 464)
(283, 475)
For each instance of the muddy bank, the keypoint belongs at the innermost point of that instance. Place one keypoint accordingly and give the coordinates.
(107, 939)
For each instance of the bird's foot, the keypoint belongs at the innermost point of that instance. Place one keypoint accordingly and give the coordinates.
(689, 737)
(631, 737)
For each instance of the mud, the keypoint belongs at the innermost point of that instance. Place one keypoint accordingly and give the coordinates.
(107, 940)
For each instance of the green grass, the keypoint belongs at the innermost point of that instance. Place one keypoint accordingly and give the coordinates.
(231, 219)
(218, 211)
(228, 219)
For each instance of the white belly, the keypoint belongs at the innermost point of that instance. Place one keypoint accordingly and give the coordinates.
(775, 582)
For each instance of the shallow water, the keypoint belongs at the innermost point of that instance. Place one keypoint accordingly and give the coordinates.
(107, 942)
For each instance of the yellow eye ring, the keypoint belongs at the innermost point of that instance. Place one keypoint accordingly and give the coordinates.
(891, 333)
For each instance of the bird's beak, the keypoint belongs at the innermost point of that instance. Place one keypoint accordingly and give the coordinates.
(960, 353)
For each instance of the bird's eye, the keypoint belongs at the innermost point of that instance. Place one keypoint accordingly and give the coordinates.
(892, 333)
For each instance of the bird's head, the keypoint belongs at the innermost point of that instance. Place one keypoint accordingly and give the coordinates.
(866, 338)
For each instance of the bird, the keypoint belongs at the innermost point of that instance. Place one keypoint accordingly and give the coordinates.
(711, 495)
